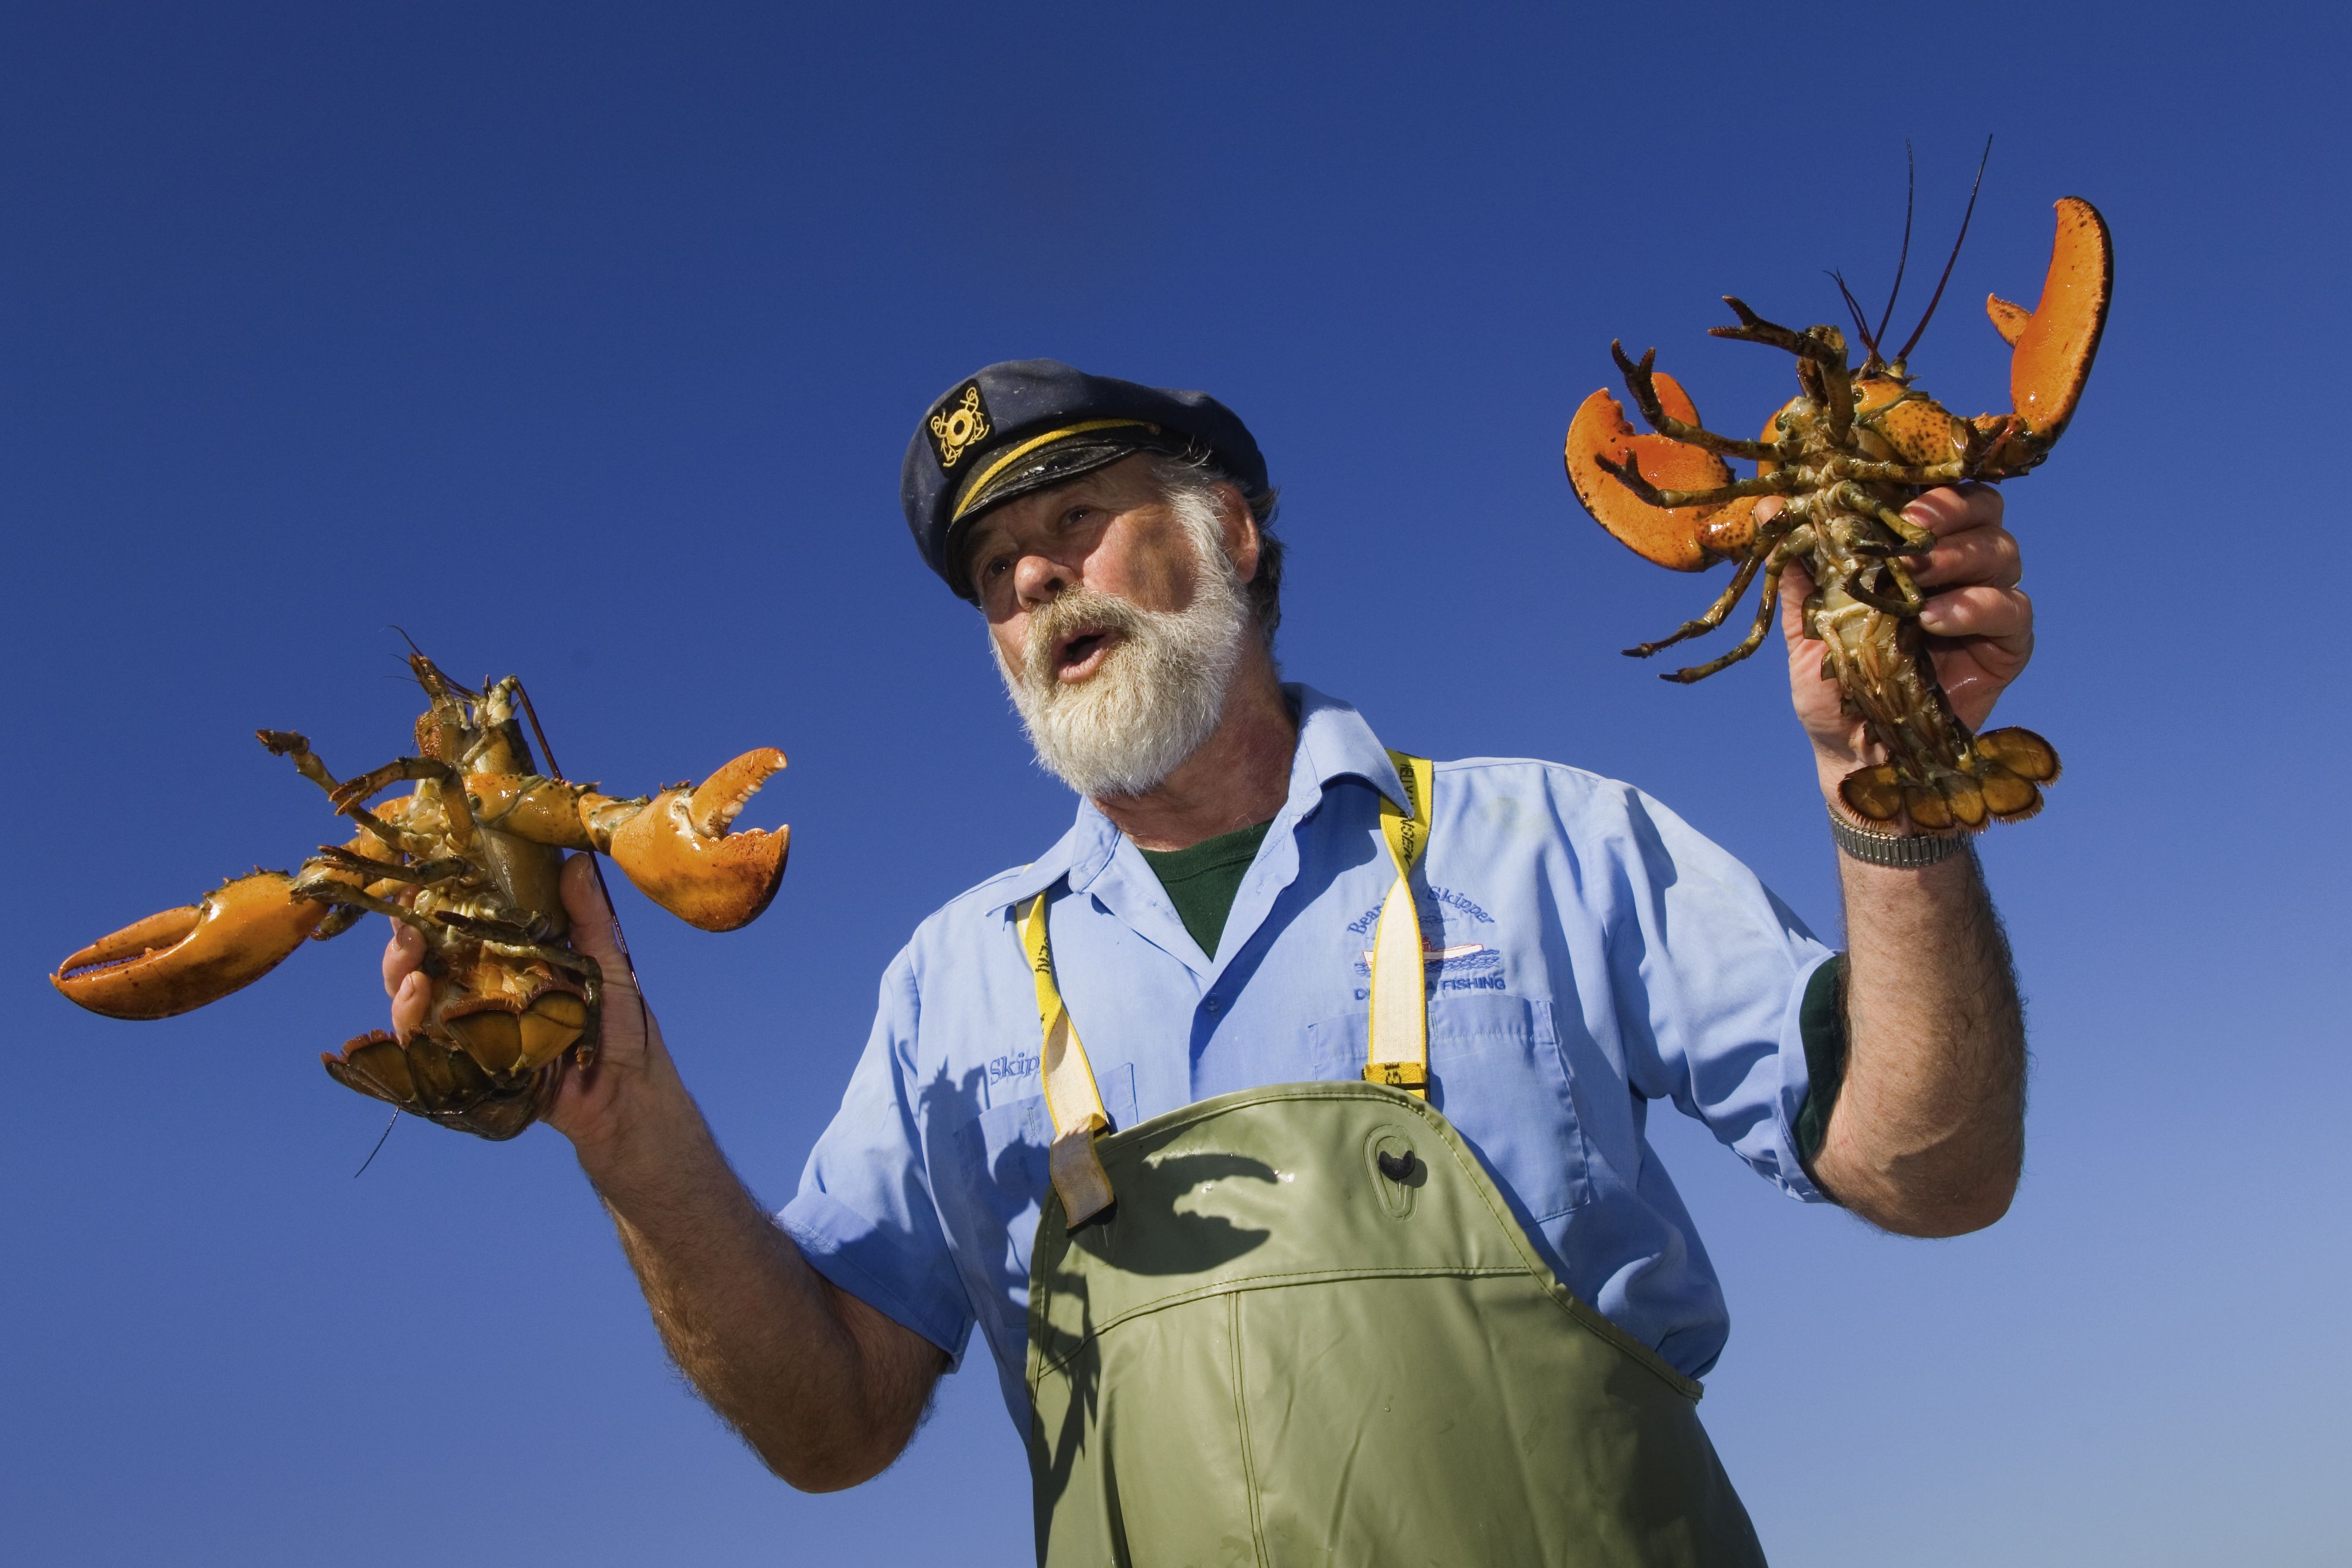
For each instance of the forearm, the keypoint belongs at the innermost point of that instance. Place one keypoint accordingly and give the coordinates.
(822, 1386)
(1928, 1137)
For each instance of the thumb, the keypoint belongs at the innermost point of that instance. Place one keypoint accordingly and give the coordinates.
(594, 931)
(1796, 586)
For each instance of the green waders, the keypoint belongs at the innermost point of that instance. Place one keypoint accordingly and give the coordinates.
(1307, 1330)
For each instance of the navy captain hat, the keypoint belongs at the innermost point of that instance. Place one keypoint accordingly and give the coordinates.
(1023, 425)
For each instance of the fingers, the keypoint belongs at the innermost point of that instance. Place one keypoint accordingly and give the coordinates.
(594, 931)
(2002, 614)
(1981, 555)
(401, 957)
(1957, 509)
(409, 1001)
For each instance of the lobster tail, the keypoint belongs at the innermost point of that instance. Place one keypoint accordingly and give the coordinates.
(2011, 763)
(426, 1077)
(1999, 779)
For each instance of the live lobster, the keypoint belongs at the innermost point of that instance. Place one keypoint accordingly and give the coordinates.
(1843, 458)
(468, 858)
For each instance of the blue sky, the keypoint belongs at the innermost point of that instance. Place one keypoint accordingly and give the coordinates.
(583, 342)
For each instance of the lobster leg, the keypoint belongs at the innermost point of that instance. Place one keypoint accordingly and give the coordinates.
(422, 873)
(1767, 602)
(347, 795)
(1716, 613)
(1895, 473)
(400, 770)
(1913, 538)
(297, 747)
(1758, 552)
(1641, 380)
(334, 866)
(1779, 483)
(288, 743)
(351, 898)
(1822, 348)
(1828, 351)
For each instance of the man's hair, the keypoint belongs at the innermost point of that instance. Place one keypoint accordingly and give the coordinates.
(1199, 475)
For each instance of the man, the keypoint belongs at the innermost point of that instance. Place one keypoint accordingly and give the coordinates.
(1281, 1127)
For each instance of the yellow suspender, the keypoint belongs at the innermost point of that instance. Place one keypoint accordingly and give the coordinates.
(1398, 1055)
(1071, 1097)
(1399, 1052)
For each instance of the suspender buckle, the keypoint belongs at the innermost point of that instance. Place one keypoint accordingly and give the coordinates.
(1411, 1077)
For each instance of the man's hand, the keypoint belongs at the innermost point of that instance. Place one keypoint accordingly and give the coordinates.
(826, 1389)
(1928, 1135)
(1979, 623)
(589, 1101)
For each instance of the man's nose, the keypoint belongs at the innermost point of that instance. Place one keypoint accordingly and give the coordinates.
(1037, 577)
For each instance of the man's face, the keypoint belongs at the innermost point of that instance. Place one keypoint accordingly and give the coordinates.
(1116, 612)
(1111, 532)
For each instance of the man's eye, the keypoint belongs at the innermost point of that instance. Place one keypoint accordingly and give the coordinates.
(998, 565)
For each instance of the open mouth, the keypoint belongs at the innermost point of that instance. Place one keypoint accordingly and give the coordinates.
(1081, 652)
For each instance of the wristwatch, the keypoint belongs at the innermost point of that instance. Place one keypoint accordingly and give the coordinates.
(1865, 842)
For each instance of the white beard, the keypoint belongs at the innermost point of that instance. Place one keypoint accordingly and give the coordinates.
(1161, 689)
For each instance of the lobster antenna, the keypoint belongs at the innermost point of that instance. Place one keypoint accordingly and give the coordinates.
(554, 768)
(1910, 192)
(595, 865)
(452, 686)
(379, 1142)
(1946, 278)
(1853, 309)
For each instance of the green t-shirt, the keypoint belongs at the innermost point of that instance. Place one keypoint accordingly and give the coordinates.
(1203, 880)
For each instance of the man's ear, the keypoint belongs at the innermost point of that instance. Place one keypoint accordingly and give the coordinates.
(1239, 528)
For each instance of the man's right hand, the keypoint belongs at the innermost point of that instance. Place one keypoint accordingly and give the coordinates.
(826, 1389)
(588, 1103)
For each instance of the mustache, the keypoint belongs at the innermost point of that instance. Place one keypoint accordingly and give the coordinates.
(1071, 611)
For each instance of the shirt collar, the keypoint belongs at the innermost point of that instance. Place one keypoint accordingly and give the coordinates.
(1334, 743)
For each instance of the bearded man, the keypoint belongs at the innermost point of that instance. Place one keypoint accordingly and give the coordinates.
(1281, 1128)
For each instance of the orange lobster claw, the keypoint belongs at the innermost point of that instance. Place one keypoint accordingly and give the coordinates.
(678, 852)
(179, 960)
(2055, 342)
(1684, 537)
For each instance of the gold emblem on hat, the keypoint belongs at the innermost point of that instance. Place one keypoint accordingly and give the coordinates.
(957, 427)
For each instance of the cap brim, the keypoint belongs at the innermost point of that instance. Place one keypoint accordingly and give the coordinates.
(1042, 469)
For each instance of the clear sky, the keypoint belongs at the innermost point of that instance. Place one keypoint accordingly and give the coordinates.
(584, 341)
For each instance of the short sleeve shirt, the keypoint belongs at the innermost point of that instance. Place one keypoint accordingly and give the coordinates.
(1586, 952)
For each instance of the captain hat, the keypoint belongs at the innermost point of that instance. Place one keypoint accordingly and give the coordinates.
(1023, 425)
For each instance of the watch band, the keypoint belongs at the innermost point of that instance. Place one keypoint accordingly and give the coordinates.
(1903, 850)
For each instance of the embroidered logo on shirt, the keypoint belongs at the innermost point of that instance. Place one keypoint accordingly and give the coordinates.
(1451, 966)
(1015, 1066)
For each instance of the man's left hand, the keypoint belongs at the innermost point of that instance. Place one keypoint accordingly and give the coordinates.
(1980, 622)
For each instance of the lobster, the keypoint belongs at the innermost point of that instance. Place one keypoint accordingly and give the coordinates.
(468, 858)
(1843, 458)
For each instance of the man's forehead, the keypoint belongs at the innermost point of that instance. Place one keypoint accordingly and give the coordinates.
(1123, 481)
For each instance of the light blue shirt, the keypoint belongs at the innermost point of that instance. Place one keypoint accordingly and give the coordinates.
(1590, 953)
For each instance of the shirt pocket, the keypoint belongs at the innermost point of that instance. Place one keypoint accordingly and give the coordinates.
(1497, 1074)
(1004, 1147)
